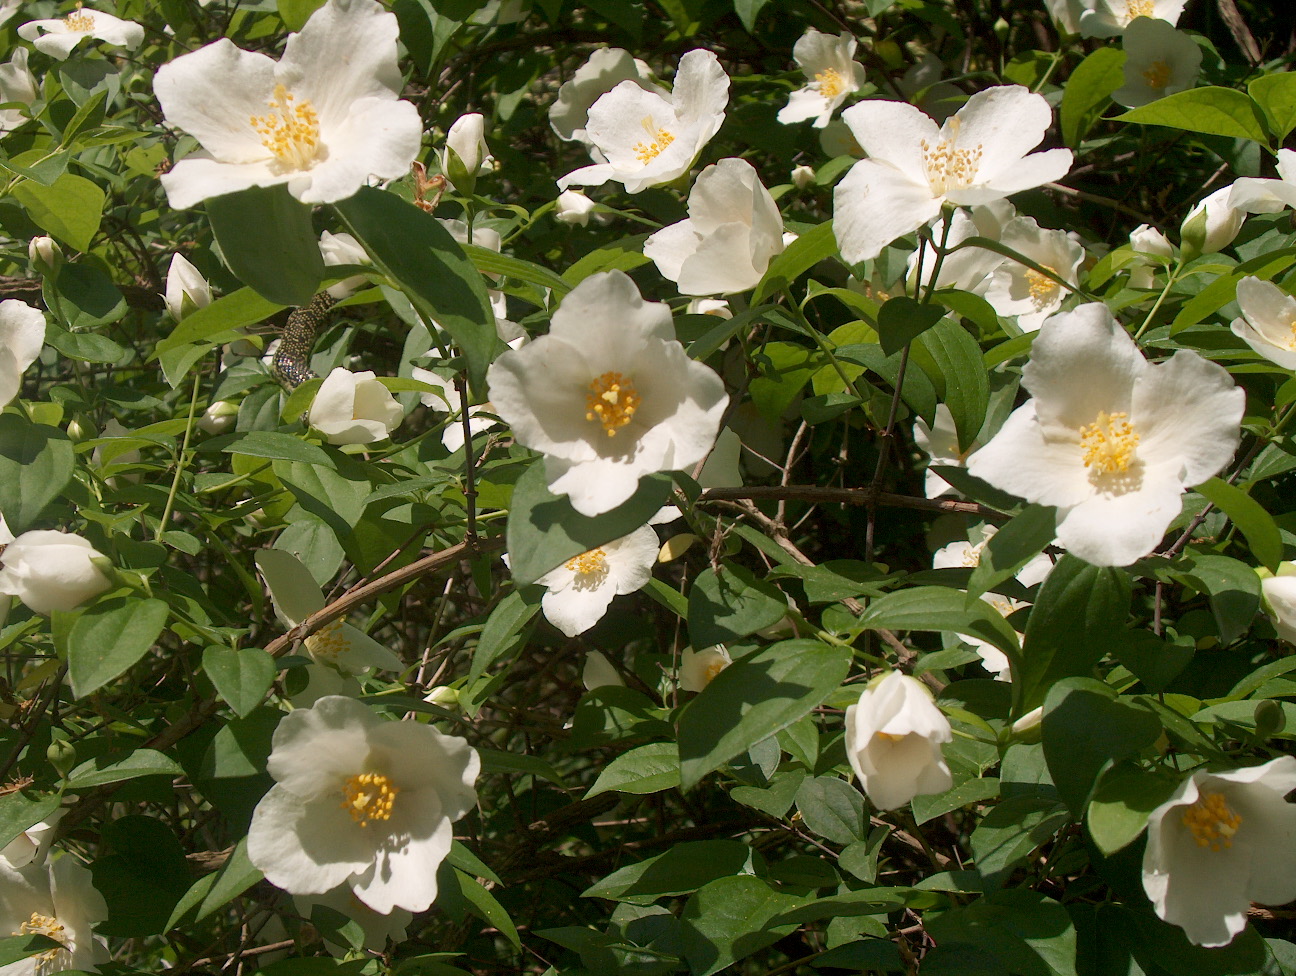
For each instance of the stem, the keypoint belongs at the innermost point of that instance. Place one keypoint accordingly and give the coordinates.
(180, 461)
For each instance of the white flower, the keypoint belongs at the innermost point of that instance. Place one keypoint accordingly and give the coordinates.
(296, 596)
(1253, 195)
(966, 268)
(466, 139)
(802, 176)
(7, 9)
(489, 238)
(1109, 18)
(33, 843)
(893, 741)
(354, 408)
(709, 306)
(218, 417)
(323, 120)
(967, 555)
(648, 139)
(1110, 439)
(17, 84)
(51, 570)
(605, 69)
(940, 443)
(698, 668)
(44, 254)
(914, 166)
(1279, 592)
(57, 899)
(1268, 322)
(992, 659)
(340, 249)
(1221, 842)
(22, 334)
(377, 927)
(1152, 249)
(1159, 61)
(608, 395)
(186, 289)
(574, 207)
(1015, 289)
(362, 802)
(599, 673)
(58, 37)
(1212, 224)
(1067, 13)
(578, 592)
(732, 231)
(447, 399)
(829, 64)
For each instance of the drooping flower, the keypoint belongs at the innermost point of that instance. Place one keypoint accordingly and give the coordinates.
(1015, 289)
(829, 62)
(579, 592)
(733, 230)
(648, 139)
(186, 289)
(1279, 593)
(448, 399)
(608, 395)
(22, 335)
(1110, 439)
(1159, 61)
(605, 69)
(57, 37)
(1066, 13)
(1256, 195)
(914, 166)
(17, 84)
(698, 668)
(1212, 223)
(377, 928)
(362, 802)
(340, 249)
(354, 408)
(1268, 322)
(1221, 842)
(296, 596)
(574, 207)
(56, 899)
(51, 570)
(893, 741)
(324, 119)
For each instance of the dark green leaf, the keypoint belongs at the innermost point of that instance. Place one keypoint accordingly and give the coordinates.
(942, 609)
(832, 808)
(36, 463)
(682, 869)
(1249, 516)
(650, 768)
(901, 320)
(729, 919)
(504, 624)
(107, 769)
(216, 890)
(1087, 91)
(804, 253)
(1012, 547)
(729, 602)
(1122, 800)
(242, 676)
(109, 638)
(268, 241)
(951, 358)
(22, 809)
(1276, 96)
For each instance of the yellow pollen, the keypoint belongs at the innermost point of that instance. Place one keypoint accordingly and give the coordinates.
(290, 130)
(714, 668)
(1291, 343)
(591, 568)
(972, 555)
(1109, 443)
(612, 401)
(1157, 74)
(368, 797)
(1138, 8)
(44, 925)
(659, 139)
(79, 20)
(1042, 287)
(888, 736)
(327, 643)
(948, 167)
(1211, 822)
(830, 83)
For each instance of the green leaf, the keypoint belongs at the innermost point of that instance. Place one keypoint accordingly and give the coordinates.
(1223, 289)
(752, 699)
(18, 947)
(1012, 547)
(1233, 588)
(1087, 91)
(486, 907)
(1079, 614)
(833, 809)
(918, 392)
(233, 311)
(942, 609)
(729, 602)
(651, 768)
(1015, 931)
(492, 262)
(108, 638)
(272, 444)
(681, 870)
(748, 11)
(544, 531)
(105, 769)
(216, 890)
(295, 13)
(1249, 516)
(21, 809)
(504, 624)
(951, 358)
(1211, 110)
(801, 255)
(1276, 96)
(267, 239)
(242, 676)
(70, 209)
(1011, 830)
(729, 919)
(83, 297)
(1124, 797)
(419, 255)
(901, 320)
(36, 463)
(1086, 729)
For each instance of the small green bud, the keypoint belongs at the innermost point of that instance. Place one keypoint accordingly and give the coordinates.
(62, 756)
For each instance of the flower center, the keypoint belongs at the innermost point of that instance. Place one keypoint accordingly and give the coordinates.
(612, 401)
(887, 736)
(1138, 8)
(327, 643)
(1291, 343)
(714, 668)
(1211, 821)
(658, 139)
(49, 927)
(947, 166)
(290, 130)
(1043, 289)
(830, 83)
(1157, 74)
(369, 796)
(1109, 443)
(591, 569)
(81, 22)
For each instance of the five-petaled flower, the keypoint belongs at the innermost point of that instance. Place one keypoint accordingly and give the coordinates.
(894, 735)
(829, 62)
(579, 591)
(56, 899)
(324, 119)
(363, 802)
(1268, 322)
(58, 36)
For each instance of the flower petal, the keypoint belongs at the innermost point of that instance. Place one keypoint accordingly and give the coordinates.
(1188, 413)
(1115, 530)
(213, 94)
(874, 204)
(306, 847)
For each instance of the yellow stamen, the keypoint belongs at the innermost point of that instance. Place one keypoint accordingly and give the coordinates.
(49, 927)
(659, 139)
(1109, 443)
(79, 20)
(888, 736)
(290, 130)
(1043, 289)
(1211, 821)
(1157, 74)
(714, 668)
(591, 569)
(612, 401)
(947, 166)
(1291, 343)
(327, 643)
(369, 797)
(1138, 8)
(830, 83)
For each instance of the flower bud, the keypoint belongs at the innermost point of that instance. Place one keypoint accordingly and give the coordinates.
(573, 207)
(62, 755)
(46, 256)
(465, 151)
(803, 176)
(219, 417)
(1269, 718)
(186, 289)
(442, 695)
(1212, 224)
(51, 570)
(1279, 600)
(337, 249)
